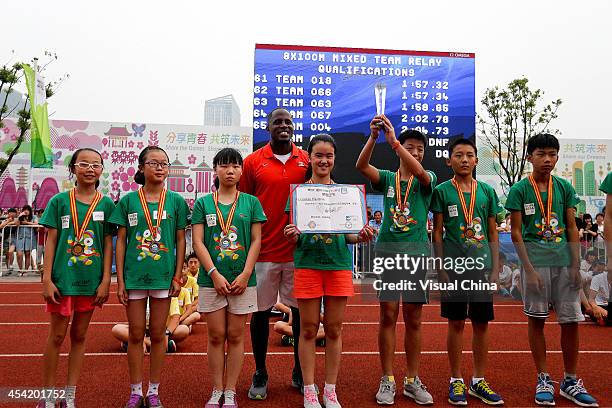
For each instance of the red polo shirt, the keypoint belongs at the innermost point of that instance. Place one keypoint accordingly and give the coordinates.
(267, 178)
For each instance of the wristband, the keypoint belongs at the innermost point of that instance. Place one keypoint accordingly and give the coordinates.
(396, 144)
(177, 280)
(211, 270)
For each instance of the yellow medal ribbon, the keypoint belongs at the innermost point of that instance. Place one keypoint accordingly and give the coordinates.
(398, 191)
(160, 211)
(468, 214)
(79, 231)
(225, 224)
(546, 214)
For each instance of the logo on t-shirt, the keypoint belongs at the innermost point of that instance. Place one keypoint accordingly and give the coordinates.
(390, 192)
(65, 221)
(529, 208)
(98, 216)
(452, 211)
(133, 219)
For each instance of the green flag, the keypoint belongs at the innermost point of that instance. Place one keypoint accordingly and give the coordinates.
(40, 137)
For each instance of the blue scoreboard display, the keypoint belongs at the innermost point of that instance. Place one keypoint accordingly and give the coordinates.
(339, 90)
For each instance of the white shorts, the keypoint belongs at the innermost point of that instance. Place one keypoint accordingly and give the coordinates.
(274, 281)
(210, 301)
(137, 294)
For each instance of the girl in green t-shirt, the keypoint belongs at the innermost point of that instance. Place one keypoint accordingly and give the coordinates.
(226, 240)
(149, 258)
(323, 266)
(77, 267)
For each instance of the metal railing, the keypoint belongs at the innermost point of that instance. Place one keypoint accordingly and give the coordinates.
(22, 248)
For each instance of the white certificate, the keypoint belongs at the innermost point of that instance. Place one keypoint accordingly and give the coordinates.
(328, 208)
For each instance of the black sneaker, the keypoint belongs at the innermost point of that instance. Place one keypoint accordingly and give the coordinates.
(287, 340)
(296, 380)
(259, 387)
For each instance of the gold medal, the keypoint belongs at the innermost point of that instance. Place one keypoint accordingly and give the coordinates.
(78, 248)
(155, 231)
(547, 232)
(468, 213)
(225, 224)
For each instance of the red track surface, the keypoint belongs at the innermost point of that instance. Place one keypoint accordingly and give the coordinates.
(185, 382)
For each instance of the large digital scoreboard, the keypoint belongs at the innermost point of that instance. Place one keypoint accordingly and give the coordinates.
(339, 90)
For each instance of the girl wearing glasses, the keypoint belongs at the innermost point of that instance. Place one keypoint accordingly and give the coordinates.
(76, 270)
(149, 258)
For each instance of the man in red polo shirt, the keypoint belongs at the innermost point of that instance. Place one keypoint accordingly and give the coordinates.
(267, 174)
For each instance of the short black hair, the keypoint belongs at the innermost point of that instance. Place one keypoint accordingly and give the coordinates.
(600, 215)
(462, 141)
(412, 134)
(191, 256)
(12, 210)
(378, 211)
(227, 155)
(542, 141)
(269, 116)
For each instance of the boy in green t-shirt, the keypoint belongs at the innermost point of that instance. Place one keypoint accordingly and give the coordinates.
(545, 235)
(465, 231)
(408, 194)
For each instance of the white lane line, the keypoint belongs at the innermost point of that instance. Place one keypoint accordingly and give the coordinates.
(321, 353)
(438, 323)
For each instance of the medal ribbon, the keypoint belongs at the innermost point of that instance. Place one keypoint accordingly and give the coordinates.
(78, 232)
(468, 214)
(549, 199)
(160, 210)
(225, 225)
(398, 191)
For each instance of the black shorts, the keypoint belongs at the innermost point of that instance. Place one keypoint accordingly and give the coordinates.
(404, 285)
(467, 300)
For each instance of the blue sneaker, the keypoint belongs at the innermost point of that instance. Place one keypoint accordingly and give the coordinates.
(574, 390)
(482, 391)
(457, 394)
(545, 390)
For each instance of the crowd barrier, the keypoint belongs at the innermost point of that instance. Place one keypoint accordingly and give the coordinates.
(22, 248)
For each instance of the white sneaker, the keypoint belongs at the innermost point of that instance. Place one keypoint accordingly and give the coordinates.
(330, 399)
(311, 399)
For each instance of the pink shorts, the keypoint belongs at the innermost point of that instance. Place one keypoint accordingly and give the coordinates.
(69, 304)
(315, 283)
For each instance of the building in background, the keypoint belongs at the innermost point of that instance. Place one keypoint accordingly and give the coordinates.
(222, 111)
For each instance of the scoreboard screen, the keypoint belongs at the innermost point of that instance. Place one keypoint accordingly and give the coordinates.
(338, 91)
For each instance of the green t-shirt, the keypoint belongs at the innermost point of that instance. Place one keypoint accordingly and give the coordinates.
(456, 242)
(78, 275)
(145, 269)
(230, 261)
(606, 186)
(543, 251)
(407, 232)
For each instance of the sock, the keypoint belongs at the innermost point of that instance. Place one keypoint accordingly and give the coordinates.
(153, 389)
(544, 375)
(310, 388)
(567, 375)
(70, 391)
(453, 379)
(391, 378)
(295, 328)
(329, 388)
(229, 396)
(137, 389)
(260, 331)
(476, 379)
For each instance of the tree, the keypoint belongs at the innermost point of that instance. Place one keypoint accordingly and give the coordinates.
(511, 116)
(10, 77)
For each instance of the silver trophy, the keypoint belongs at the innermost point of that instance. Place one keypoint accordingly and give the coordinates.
(380, 92)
